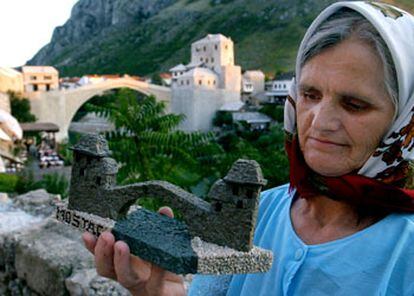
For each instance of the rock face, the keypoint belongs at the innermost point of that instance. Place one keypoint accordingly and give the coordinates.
(147, 36)
(93, 18)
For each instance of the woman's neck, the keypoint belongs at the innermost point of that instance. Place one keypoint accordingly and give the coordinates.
(321, 219)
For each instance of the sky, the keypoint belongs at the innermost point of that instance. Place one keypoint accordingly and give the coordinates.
(27, 25)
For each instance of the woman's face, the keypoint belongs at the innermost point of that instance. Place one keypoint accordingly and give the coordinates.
(343, 110)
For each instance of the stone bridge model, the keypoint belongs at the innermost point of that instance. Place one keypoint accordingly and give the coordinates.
(216, 236)
(60, 106)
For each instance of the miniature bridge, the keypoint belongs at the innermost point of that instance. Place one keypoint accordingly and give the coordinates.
(60, 106)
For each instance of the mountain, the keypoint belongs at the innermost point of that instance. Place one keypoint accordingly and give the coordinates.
(141, 37)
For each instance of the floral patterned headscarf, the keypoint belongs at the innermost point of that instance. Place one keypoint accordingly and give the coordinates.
(378, 181)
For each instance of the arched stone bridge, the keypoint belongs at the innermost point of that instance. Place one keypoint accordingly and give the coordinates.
(60, 106)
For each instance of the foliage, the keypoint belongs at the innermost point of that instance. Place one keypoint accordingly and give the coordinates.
(266, 147)
(222, 118)
(65, 152)
(8, 182)
(26, 182)
(56, 184)
(276, 112)
(20, 108)
(156, 79)
(147, 144)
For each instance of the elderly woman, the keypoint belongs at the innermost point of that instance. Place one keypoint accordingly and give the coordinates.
(343, 225)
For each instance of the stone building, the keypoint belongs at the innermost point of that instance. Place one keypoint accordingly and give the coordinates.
(40, 78)
(253, 83)
(10, 80)
(277, 90)
(209, 81)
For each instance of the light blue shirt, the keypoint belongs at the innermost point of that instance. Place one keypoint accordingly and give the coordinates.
(378, 260)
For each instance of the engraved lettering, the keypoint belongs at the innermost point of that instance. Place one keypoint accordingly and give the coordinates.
(75, 220)
(68, 217)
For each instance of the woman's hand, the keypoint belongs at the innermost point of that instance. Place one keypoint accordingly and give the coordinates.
(113, 260)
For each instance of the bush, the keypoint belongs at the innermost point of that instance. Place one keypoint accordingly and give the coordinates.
(8, 182)
(20, 108)
(55, 184)
(26, 182)
(276, 112)
(222, 118)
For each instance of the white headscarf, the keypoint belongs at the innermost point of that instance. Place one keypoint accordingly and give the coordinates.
(396, 27)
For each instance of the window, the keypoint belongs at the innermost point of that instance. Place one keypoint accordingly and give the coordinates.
(200, 82)
(215, 47)
(239, 204)
(214, 82)
(35, 87)
(218, 206)
(226, 47)
(205, 48)
(212, 60)
(188, 82)
(208, 82)
(48, 77)
(182, 82)
(206, 60)
(201, 59)
(33, 78)
(284, 85)
(235, 190)
(249, 193)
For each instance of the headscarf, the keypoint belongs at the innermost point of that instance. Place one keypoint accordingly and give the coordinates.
(378, 183)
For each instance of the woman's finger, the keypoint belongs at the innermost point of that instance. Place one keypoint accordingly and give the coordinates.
(132, 272)
(90, 241)
(104, 255)
(167, 211)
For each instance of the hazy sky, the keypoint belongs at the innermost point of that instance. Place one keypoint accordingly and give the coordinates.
(27, 25)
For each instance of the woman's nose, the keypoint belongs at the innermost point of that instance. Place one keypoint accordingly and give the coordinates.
(326, 116)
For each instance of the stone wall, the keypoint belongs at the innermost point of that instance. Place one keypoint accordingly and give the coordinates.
(43, 256)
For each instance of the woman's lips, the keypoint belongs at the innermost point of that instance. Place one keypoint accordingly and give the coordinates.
(325, 143)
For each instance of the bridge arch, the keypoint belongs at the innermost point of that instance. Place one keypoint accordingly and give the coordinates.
(60, 107)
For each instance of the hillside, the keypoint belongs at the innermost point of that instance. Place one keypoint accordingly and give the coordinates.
(145, 36)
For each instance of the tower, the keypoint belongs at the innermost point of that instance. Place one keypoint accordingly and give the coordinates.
(92, 171)
(235, 200)
(200, 88)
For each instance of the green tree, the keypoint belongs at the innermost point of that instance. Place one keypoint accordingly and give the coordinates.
(156, 79)
(148, 145)
(20, 108)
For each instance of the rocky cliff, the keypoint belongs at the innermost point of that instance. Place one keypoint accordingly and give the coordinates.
(146, 36)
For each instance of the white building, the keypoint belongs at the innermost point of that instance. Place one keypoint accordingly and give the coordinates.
(277, 90)
(253, 83)
(211, 79)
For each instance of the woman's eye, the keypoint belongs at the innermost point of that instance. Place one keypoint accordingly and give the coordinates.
(310, 96)
(355, 105)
